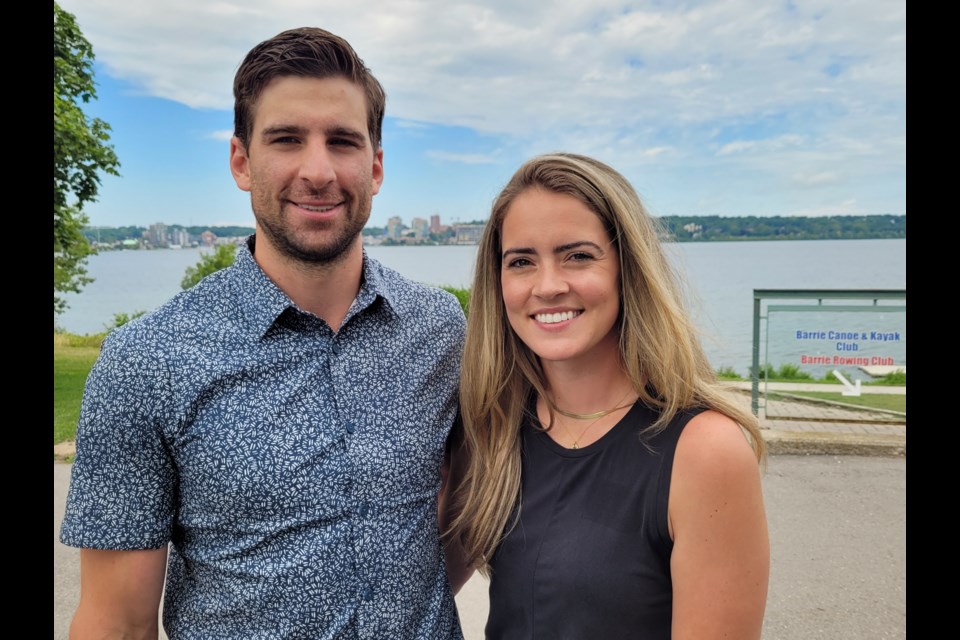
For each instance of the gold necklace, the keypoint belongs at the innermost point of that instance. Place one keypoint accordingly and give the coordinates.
(598, 414)
(588, 416)
(576, 440)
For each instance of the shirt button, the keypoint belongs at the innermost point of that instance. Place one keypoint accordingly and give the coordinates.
(366, 593)
(335, 349)
(364, 508)
(350, 427)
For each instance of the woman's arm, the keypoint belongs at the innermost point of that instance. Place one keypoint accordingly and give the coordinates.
(721, 555)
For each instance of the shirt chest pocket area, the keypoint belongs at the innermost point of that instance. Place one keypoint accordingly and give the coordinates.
(400, 456)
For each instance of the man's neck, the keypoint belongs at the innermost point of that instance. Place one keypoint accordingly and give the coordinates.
(325, 290)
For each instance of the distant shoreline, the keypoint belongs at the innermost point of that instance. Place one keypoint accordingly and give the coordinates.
(673, 229)
(667, 239)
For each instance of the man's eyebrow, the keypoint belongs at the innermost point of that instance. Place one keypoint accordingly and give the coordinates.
(298, 130)
(347, 132)
(282, 129)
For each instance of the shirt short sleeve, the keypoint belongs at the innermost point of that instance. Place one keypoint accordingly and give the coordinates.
(122, 484)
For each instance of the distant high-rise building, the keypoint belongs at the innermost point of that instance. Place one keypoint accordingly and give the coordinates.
(420, 227)
(179, 237)
(435, 223)
(157, 235)
(394, 227)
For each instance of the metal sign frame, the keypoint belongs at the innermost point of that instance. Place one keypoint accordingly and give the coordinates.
(862, 300)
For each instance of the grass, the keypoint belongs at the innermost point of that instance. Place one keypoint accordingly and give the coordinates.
(869, 400)
(71, 365)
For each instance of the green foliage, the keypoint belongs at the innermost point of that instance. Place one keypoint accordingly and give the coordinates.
(766, 373)
(896, 378)
(463, 296)
(221, 258)
(705, 228)
(785, 372)
(727, 373)
(792, 372)
(80, 153)
(120, 319)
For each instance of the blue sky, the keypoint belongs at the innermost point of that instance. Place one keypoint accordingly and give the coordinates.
(713, 107)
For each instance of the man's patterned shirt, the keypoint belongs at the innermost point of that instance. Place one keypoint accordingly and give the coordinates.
(293, 470)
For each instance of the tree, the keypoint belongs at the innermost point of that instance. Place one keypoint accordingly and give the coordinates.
(221, 258)
(80, 153)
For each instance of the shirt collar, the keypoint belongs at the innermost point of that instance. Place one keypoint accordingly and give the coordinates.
(264, 301)
(376, 285)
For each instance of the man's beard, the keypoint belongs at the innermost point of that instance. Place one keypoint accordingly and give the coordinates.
(329, 252)
(342, 238)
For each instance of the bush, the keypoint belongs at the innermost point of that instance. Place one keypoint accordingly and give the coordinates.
(120, 319)
(727, 373)
(462, 295)
(766, 373)
(785, 372)
(792, 372)
(896, 378)
(221, 258)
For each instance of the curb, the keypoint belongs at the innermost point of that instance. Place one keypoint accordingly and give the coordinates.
(818, 443)
(846, 405)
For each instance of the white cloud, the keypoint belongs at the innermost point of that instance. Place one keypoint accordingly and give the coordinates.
(816, 179)
(773, 144)
(736, 147)
(224, 134)
(463, 158)
(654, 152)
(798, 91)
(412, 125)
(500, 66)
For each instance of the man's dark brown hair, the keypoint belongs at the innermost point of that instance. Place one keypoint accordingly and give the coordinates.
(306, 52)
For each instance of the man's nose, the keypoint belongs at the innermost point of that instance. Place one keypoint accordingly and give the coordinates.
(317, 166)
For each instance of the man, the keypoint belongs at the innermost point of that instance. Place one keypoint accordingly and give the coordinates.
(281, 426)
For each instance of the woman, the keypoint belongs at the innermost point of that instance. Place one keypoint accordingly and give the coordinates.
(611, 488)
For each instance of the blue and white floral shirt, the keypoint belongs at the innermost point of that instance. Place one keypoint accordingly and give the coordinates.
(294, 471)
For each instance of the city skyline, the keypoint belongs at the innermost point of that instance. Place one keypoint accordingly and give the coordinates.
(807, 120)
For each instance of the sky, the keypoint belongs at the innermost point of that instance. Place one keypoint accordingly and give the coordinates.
(712, 107)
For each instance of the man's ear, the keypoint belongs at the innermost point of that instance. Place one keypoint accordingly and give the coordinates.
(239, 164)
(377, 172)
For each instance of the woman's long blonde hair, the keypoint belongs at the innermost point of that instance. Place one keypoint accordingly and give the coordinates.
(659, 346)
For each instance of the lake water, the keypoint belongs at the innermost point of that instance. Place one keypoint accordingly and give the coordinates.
(721, 277)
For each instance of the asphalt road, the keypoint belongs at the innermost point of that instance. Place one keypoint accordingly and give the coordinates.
(838, 552)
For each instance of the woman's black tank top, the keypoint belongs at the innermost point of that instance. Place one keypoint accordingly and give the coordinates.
(589, 558)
